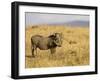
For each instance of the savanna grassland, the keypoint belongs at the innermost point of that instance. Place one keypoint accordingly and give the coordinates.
(74, 50)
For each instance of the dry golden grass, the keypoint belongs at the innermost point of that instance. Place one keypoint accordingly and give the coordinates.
(74, 50)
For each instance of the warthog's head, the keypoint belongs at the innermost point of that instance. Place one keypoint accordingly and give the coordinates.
(57, 38)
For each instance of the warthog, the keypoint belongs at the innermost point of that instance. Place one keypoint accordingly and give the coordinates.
(45, 43)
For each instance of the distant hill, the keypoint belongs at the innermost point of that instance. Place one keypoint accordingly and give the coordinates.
(72, 23)
(78, 23)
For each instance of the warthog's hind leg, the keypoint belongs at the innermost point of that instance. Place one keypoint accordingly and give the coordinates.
(33, 50)
(33, 53)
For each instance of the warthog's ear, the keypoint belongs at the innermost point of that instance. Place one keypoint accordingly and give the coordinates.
(55, 34)
(60, 34)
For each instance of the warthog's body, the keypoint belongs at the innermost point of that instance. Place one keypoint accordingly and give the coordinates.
(45, 43)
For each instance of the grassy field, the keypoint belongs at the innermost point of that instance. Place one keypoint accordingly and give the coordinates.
(74, 50)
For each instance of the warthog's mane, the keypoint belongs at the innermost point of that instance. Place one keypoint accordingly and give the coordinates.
(52, 36)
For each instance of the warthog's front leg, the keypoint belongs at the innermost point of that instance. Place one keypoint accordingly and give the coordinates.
(53, 50)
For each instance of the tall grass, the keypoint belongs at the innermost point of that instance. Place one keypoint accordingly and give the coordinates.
(74, 50)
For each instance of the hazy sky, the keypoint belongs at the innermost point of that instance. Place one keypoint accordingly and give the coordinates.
(45, 18)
